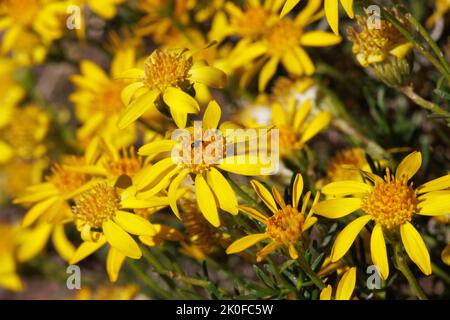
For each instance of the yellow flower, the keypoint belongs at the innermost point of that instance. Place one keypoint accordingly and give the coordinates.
(294, 128)
(375, 45)
(43, 17)
(344, 289)
(108, 292)
(346, 165)
(201, 159)
(285, 227)
(23, 141)
(391, 203)
(283, 42)
(442, 7)
(100, 217)
(8, 242)
(331, 11)
(165, 80)
(98, 105)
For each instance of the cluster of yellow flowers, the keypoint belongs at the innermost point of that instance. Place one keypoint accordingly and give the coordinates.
(141, 158)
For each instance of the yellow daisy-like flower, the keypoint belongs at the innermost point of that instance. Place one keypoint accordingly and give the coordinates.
(346, 165)
(8, 242)
(294, 128)
(201, 159)
(19, 141)
(285, 227)
(165, 80)
(43, 17)
(283, 42)
(331, 11)
(374, 45)
(344, 288)
(391, 203)
(98, 105)
(101, 218)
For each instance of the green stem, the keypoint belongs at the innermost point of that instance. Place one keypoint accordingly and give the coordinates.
(148, 281)
(280, 277)
(310, 273)
(428, 105)
(424, 33)
(402, 265)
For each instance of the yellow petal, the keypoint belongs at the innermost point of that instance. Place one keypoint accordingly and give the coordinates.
(208, 75)
(152, 174)
(173, 189)
(326, 292)
(206, 201)
(267, 73)
(133, 74)
(137, 108)
(378, 251)
(265, 196)
(293, 252)
(409, 166)
(301, 114)
(288, 6)
(305, 60)
(337, 208)
(317, 124)
(347, 236)
(62, 245)
(446, 255)
(254, 214)
(402, 50)
(114, 262)
(37, 210)
(134, 224)
(346, 285)
(180, 118)
(271, 247)
(297, 190)
(436, 205)
(6, 152)
(415, 247)
(332, 14)
(212, 115)
(279, 116)
(246, 242)
(244, 165)
(157, 147)
(86, 249)
(121, 240)
(319, 39)
(34, 242)
(344, 188)
(128, 92)
(348, 7)
(180, 101)
(435, 185)
(223, 191)
(292, 62)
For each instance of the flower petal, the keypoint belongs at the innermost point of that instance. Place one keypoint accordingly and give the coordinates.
(435, 185)
(326, 292)
(344, 188)
(346, 285)
(347, 236)
(415, 247)
(208, 75)
(246, 242)
(180, 101)
(288, 6)
(211, 117)
(137, 108)
(337, 208)
(409, 165)
(267, 72)
(134, 224)
(173, 191)
(206, 201)
(297, 190)
(114, 262)
(378, 251)
(254, 214)
(62, 245)
(319, 39)
(86, 249)
(223, 191)
(317, 124)
(265, 195)
(157, 147)
(332, 14)
(121, 240)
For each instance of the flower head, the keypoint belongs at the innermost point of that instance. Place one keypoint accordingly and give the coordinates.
(285, 227)
(391, 202)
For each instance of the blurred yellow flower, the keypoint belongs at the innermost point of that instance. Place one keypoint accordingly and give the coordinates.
(442, 7)
(8, 242)
(285, 227)
(331, 11)
(108, 292)
(392, 203)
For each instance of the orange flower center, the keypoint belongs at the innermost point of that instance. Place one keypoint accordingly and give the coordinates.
(288, 139)
(165, 69)
(252, 23)
(67, 181)
(108, 100)
(391, 202)
(95, 206)
(128, 163)
(285, 226)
